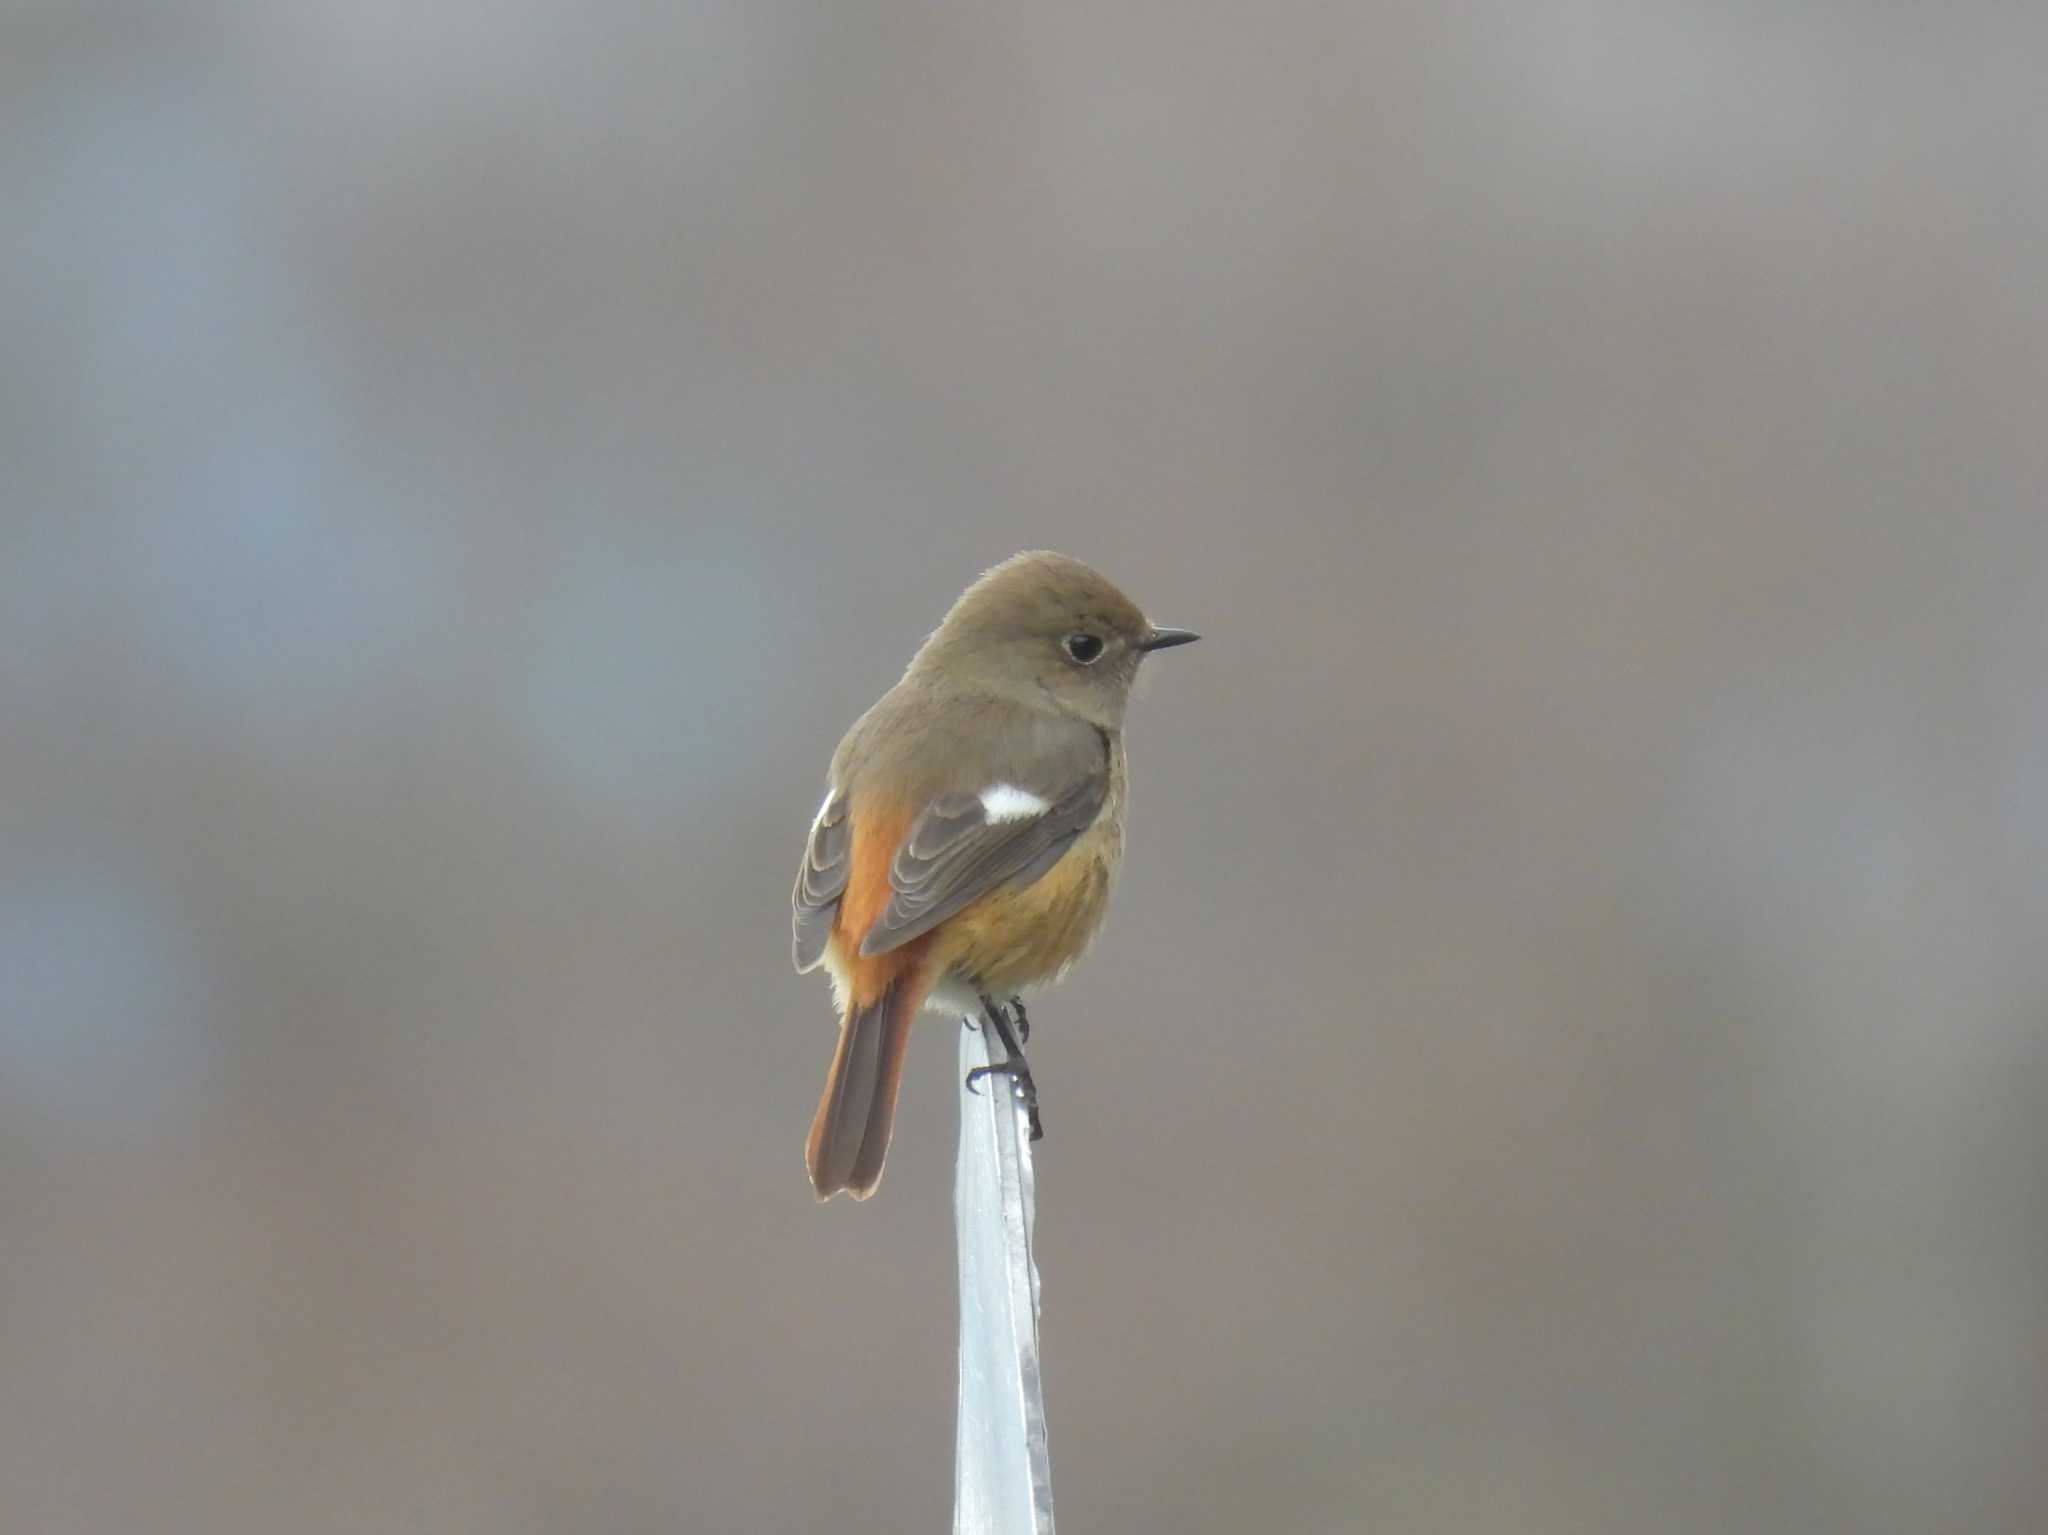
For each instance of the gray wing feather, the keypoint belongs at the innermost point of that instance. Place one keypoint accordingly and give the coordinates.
(955, 854)
(820, 882)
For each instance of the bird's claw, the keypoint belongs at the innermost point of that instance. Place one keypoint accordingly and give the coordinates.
(1012, 1065)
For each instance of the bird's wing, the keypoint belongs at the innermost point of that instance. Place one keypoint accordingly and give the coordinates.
(821, 881)
(963, 845)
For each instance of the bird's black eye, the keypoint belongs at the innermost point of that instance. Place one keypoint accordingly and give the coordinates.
(1084, 647)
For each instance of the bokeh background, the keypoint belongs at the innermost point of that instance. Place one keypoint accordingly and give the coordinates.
(1569, 1051)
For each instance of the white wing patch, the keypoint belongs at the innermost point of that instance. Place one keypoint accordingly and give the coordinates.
(1007, 802)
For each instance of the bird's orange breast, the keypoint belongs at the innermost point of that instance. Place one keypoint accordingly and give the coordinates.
(1014, 938)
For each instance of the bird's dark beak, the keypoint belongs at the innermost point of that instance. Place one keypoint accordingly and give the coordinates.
(1166, 639)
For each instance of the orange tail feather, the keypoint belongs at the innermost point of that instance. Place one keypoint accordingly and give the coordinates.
(850, 1135)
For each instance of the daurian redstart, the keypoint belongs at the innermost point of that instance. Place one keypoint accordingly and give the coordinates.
(972, 824)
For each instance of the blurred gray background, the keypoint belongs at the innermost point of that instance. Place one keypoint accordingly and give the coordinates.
(1569, 1052)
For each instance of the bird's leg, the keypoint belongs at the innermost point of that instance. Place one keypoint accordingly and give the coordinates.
(1012, 1065)
(1023, 1021)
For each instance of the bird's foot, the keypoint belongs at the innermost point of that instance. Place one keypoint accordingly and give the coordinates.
(1020, 1078)
(1013, 1064)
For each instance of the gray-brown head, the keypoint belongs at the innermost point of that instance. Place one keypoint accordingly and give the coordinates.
(1049, 632)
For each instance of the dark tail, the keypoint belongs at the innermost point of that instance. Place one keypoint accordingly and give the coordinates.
(850, 1136)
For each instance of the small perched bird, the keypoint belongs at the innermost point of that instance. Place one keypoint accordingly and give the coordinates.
(972, 824)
